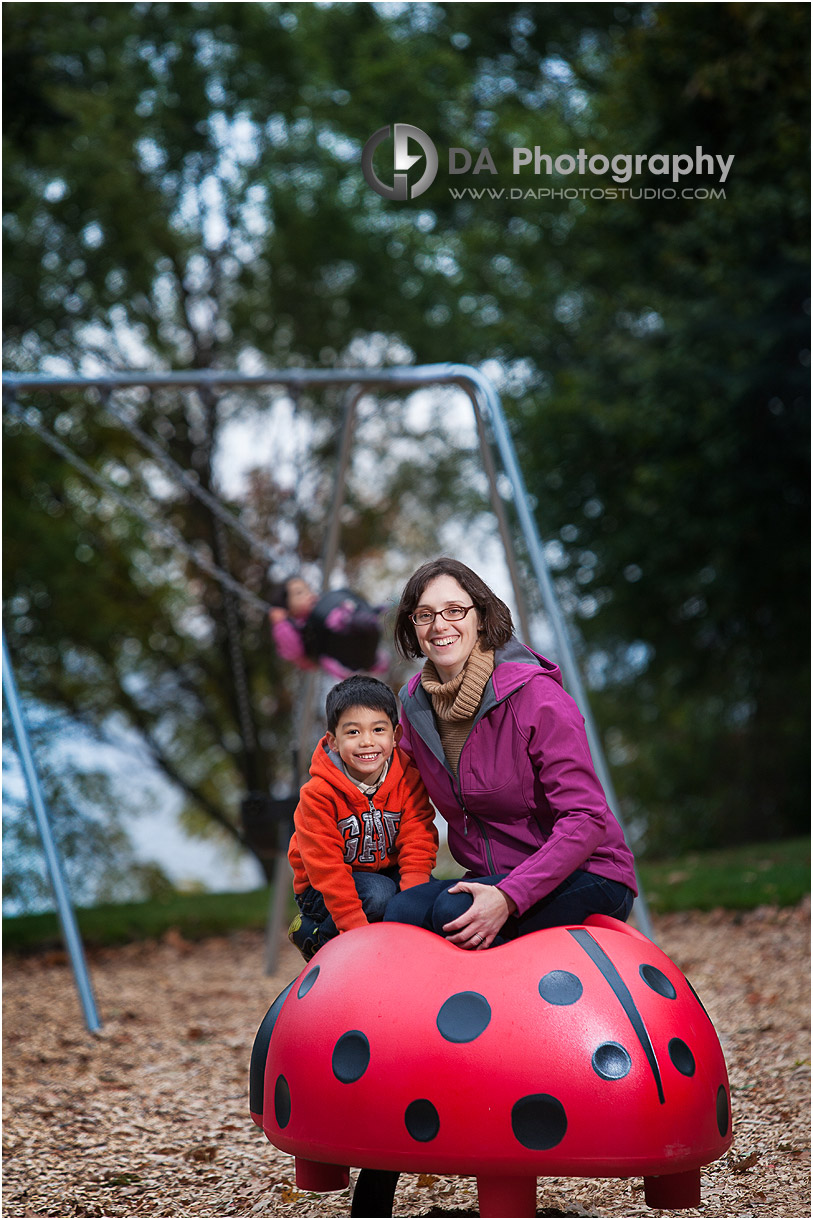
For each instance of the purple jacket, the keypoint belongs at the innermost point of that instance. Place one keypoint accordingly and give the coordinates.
(527, 801)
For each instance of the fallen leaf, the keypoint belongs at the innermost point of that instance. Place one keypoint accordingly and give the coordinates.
(204, 1152)
(289, 1195)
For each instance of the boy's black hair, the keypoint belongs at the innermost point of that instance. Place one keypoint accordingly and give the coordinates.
(359, 690)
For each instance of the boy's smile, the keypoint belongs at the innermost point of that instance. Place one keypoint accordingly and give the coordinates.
(364, 740)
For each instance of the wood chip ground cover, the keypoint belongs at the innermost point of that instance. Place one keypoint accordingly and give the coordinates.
(149, 1117)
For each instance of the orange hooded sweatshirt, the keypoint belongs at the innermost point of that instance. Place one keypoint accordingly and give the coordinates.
(338, 829)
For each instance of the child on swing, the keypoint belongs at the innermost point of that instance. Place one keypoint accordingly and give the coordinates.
(335, 632)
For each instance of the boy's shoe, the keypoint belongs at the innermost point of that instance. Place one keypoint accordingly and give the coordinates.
(304, 933)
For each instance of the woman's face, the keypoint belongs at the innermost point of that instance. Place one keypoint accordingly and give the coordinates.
(447, 645)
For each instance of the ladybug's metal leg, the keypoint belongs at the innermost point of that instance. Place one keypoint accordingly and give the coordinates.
(374, 1193)
(316, 1175)
(501, 1195)
(673, 1190)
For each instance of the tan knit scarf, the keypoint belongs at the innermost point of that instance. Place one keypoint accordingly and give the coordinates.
(456, 702)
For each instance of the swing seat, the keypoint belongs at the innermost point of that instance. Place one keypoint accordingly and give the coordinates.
(579, 1050)
(267, 822)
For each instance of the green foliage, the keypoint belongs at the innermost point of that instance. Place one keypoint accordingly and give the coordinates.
(88, 807)
(191, 916)
(681, 414)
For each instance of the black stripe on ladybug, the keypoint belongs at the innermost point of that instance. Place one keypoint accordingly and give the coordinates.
(622, 993)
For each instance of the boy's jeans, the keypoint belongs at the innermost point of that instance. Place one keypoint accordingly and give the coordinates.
(374, 889)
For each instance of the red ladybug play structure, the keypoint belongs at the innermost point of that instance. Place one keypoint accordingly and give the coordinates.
(573, 1051)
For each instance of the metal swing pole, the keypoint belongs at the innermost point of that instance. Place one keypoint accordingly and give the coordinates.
(67, 918)
(564, 643)
(498, 508)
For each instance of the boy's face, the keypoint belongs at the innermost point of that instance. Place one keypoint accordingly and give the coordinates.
(364, 740)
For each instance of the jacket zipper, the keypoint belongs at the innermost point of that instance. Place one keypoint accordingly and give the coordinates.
(460, 797)
(489, 858)
(480, 827)
(383, 853)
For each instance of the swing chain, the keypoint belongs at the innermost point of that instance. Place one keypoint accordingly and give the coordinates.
(164, 531)
(187, 480)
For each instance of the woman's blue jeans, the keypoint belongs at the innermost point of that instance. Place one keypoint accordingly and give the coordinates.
(581, 894)
(374, 889)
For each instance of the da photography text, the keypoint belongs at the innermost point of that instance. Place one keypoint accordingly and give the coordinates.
(410, 146)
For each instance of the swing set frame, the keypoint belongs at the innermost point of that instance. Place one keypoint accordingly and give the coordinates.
(493, 434)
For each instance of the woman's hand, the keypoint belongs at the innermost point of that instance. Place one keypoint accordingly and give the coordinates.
(488, 912)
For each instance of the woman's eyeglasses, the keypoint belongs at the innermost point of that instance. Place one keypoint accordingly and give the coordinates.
(452, 614)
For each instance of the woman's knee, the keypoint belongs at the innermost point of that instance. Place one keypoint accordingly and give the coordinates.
(448, 907)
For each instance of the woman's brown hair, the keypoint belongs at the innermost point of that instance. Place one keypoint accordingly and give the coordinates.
(494, 614)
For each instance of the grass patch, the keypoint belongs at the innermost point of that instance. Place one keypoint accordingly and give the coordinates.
(194, 916)
(737, 878)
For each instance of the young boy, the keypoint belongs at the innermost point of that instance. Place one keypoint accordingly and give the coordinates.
(364, 826)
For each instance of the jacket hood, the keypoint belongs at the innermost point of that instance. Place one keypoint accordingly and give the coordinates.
(514, 664)
(327, 765)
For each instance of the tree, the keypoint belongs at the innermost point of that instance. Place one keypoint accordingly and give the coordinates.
(681, 411)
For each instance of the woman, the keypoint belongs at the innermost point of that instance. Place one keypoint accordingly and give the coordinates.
(502, 750)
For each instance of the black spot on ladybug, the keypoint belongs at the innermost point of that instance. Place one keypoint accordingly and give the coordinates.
(464, 1016)
(539, 1121)
(560, 987)
(308, 981)
(282, 1102)
(681, 1056)
(611, 1061)
(422, 1121)
(722, 1111)
(657, 980)
(351, 1056)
